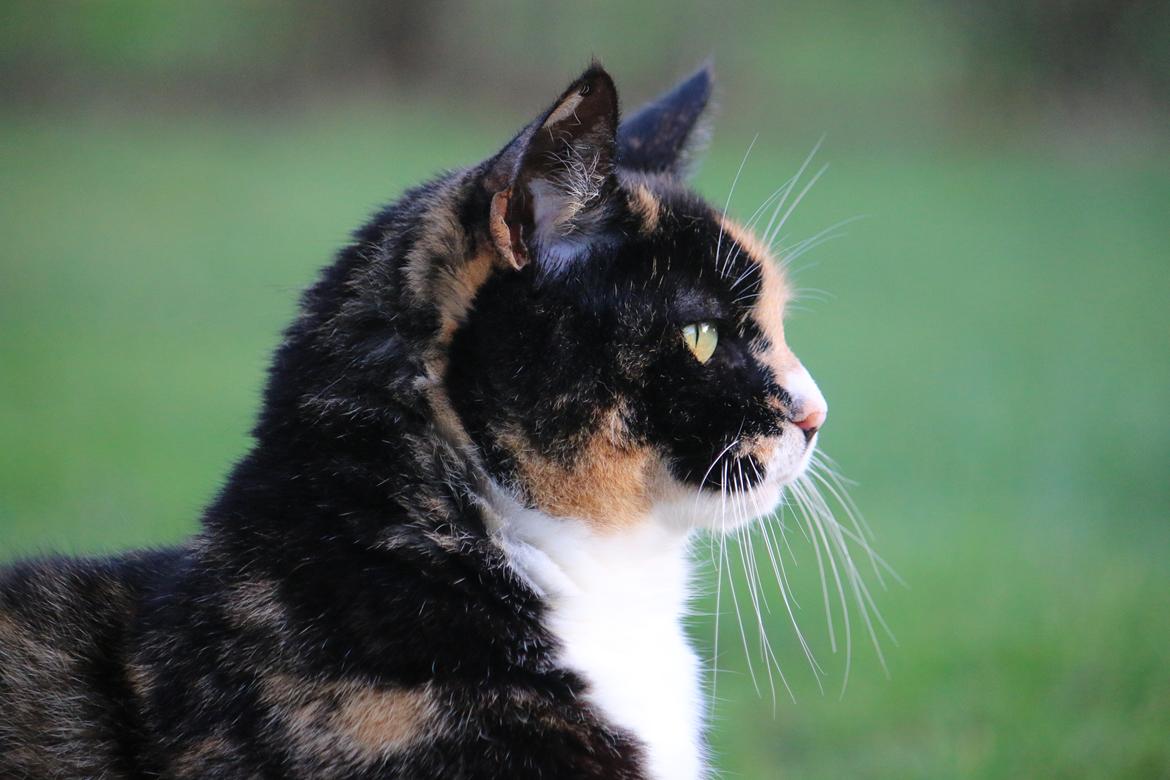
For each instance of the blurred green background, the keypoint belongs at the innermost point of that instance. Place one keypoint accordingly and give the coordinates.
(992, 336)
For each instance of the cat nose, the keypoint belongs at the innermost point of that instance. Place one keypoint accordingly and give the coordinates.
(811, 422)
(808, 406)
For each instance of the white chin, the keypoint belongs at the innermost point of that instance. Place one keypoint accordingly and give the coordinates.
(790, 461)
(731, 509)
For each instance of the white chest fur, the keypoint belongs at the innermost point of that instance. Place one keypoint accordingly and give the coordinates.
(617, 600)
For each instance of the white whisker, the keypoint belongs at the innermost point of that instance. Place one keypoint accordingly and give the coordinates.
(718, 589)
(739, 622)
(852, 517)
(860, 590)
(782, 583)
(788, 190)
(817, 527)
(759, 212)
(730, 192)
(788, 254)
(707, 473)
(768, 237)
(747, 554)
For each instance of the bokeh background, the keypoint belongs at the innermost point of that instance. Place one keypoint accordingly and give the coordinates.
(992, 335)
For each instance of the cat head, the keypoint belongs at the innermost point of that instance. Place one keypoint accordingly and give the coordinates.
(613, 347)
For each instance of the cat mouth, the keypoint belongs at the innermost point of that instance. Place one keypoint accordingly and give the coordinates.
(778, 459)
(746, 481)
(756, 480)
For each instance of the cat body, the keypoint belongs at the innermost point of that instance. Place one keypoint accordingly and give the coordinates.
(458, 547)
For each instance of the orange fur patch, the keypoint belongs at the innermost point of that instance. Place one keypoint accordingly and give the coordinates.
(446, 418)
(454, 295)
(441, 245)
(769, 308)
(754, 248)
(763, 449)
(456, 289)
(768, 312)
(384, 719)
(608, 483)
(350, 720)
(646, 206)
(773, 296)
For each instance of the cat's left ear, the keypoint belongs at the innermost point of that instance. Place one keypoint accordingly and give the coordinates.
(664, 136)
(550, 187)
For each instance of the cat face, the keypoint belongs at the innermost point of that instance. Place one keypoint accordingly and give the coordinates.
(623, 356)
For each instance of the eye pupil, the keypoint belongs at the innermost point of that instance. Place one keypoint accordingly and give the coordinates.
(701, 339)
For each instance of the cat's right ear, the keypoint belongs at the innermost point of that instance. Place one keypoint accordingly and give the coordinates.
(550, 188)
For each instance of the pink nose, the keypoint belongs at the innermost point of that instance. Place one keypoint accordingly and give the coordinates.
(811, 423)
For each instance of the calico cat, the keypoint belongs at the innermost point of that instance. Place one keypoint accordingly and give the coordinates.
(458, 546)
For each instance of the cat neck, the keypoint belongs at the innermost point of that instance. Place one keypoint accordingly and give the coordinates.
(616, 601)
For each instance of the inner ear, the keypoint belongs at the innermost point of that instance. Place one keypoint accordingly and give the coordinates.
(552, 184)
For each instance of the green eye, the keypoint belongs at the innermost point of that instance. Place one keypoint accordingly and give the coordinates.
(701, 338)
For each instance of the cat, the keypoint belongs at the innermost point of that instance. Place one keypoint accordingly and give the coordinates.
(458, 545)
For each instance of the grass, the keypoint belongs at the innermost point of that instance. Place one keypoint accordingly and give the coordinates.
(993, 346)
